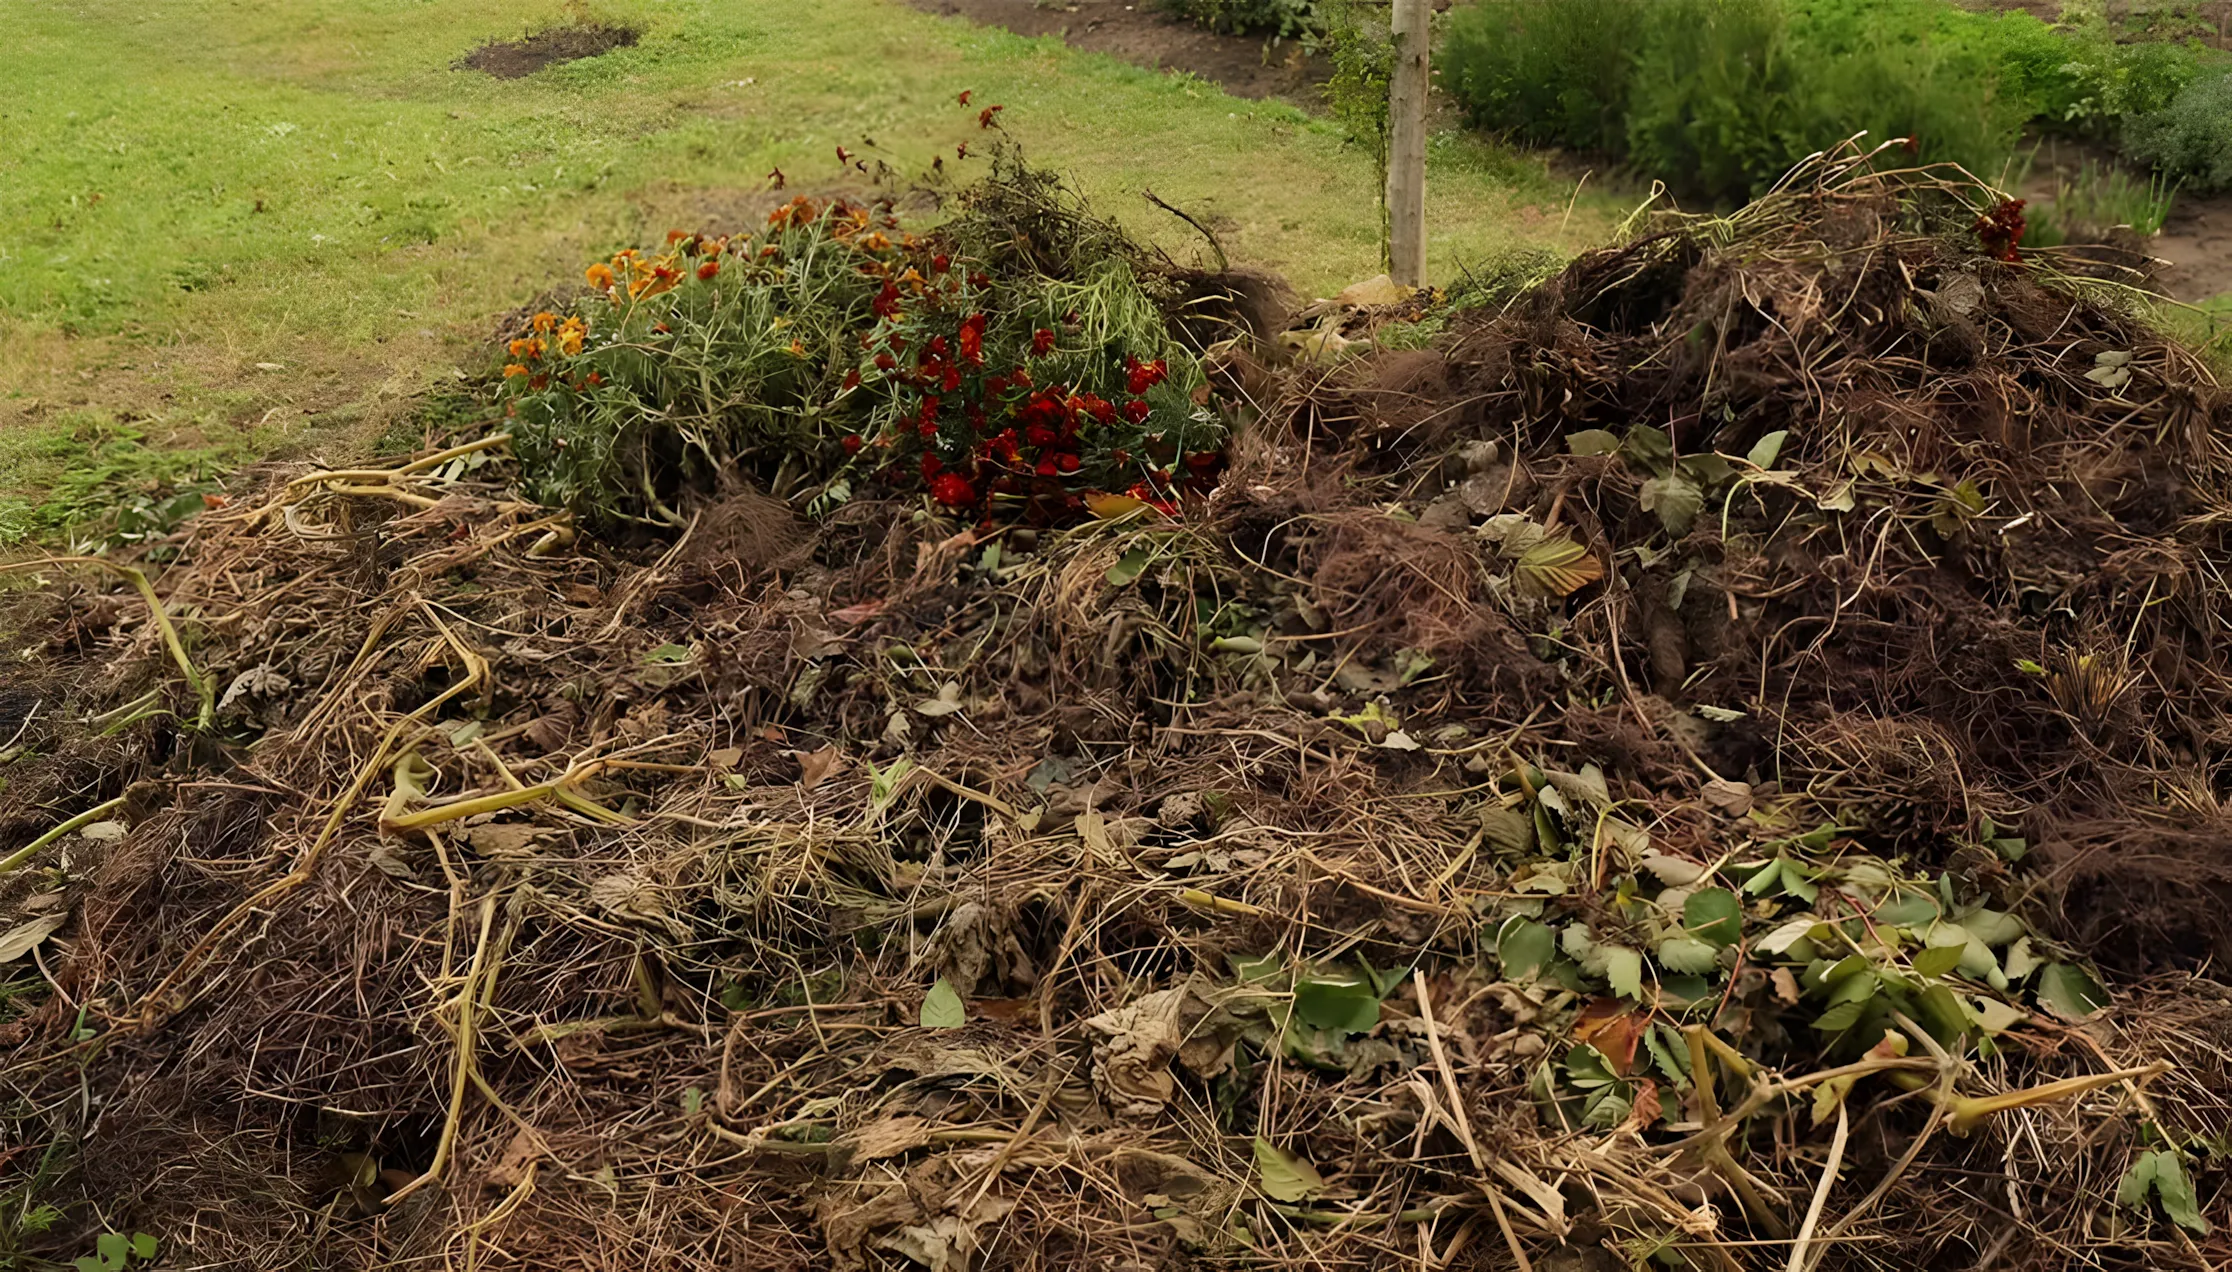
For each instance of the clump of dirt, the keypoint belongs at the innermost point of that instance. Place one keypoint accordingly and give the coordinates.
(517, 59)
(1661, 769)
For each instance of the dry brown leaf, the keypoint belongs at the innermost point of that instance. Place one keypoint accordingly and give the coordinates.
(816, 767)
(889, 1136)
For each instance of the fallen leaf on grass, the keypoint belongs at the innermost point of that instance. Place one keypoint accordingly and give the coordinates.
(1283, 1176)
(816, 767)
(23, 938)
(889, 1136)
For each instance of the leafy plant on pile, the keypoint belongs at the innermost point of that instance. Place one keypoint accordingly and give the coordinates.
(831, 351)
(1795, 943)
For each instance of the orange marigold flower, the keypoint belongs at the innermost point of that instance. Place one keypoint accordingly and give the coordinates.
(544, 322)
(709, 269)
(571, 335)
(676, 236)
(600, 276)
(513, 371)
(797, 348)
(876, 242)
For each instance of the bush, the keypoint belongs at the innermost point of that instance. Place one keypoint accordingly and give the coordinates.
(2190, 139)
(1244, 17)
(1720, 97)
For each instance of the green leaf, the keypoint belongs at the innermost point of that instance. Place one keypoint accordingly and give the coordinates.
(1623, 971)
(86, 1263)
(1592, 441)
(1336, 1003)
(1283, 1176)
(1768, 449)
(1258, 971)
(1129, 567)
(1938, 960)
(1911, 909)
(143, 1245)
(942, 1007)
(2070, 991)
(1525, 947)
(113, 1247)
(1841, 1017)
(1676, 499)
(1649, 447)
(1682, 954)
(1715, 915)
(1670, 1054)
(2162, 1173)
(668, 655)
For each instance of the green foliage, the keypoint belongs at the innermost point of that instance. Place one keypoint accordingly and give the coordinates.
(2190, 137)
(1356, 39)
(1721, 97)
(1249, 17)
(1008, 365)
(2096, 200)
(113, 1252)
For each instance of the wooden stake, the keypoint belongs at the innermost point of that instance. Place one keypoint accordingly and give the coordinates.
(1406, 150)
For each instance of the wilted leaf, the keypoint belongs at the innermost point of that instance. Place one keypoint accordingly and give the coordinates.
(1715, 915)
(1558, 566)
(1283, 1176)
(1768, 449)
(1648, 447)
(1108, 507)
(1676, 499)
(102, 832)
(1615, 1029)
(1720, 715)
(889, 1136)
(942, 1007)
(1129, 567)
(1674, 872)
(1592, 441)
(2070, 991)
(946, 703)
(23, 938)
(1732, 798)
(668, 655)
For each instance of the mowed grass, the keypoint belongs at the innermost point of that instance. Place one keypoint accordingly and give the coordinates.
(230, 229)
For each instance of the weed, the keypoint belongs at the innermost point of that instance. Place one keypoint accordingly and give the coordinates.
(2098, 199)
(2191, 137)
(1284, 18)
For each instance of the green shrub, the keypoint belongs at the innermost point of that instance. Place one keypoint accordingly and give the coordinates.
(1248, 17)
(1720, 97)
(2190, 139)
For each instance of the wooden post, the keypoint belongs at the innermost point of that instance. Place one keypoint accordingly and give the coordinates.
(1406, 149)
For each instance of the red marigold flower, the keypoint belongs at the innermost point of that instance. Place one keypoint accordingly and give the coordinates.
(596, 377)
(1040, 435)
(662, 329)
(843, 155)
(940, 263)
(951, 382)
(972, 339)
(1021, 378)
(1120, 456)
(852, 380)
(709, 269)
(1142, 376)
(985, 116)
(851, 443)
(961, 151)
(1042, 343)
(931, 466)
(953, 490)
(938, 347)
(886, 303)
(1067, 462)
(1137, 410)
(966, 94)
(676, 236)
(885, 362)
(1046, 467)
(1101, 409)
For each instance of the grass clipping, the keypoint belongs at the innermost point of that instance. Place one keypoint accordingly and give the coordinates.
(1713, 764)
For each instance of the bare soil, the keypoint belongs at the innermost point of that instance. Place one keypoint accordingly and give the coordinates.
(516, 59)
(1247, 66)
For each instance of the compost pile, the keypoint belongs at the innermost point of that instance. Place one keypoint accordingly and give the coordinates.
(1716, 762)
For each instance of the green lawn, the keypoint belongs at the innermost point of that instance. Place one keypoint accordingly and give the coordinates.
(229, 229)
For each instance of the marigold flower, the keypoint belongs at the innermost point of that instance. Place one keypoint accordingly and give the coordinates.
(596, 377)
(931, 466)
(571, 336)
(852, 380)
(676, 236)
(600, 276)
(1042, 343)
(875, 242)
(1137, 410)
(886, 303)
(544, 322)
(885, 362)
(852, 443)
(985, 116)
(513, 371)
(966, 94)
(961, 151)
(709, 269)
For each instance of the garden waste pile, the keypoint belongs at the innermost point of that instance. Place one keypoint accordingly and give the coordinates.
(947, 754)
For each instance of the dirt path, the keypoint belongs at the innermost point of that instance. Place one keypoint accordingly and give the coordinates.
(2197, 241)
(1249, 66)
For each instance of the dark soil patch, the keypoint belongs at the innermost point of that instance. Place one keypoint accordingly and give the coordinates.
(1246, 66)
(516, 59)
